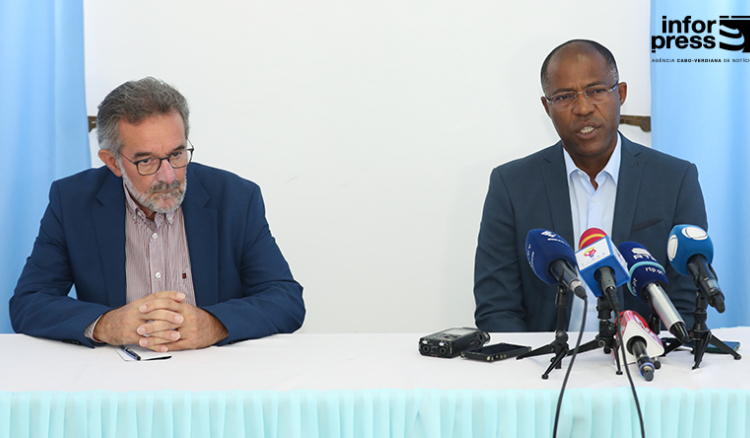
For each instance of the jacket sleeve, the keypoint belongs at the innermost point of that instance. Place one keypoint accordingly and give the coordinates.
(40, 305)
(498, 288)
(271, 300)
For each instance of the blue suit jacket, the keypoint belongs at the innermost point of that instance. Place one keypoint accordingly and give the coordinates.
(655, 192)
(239, 273)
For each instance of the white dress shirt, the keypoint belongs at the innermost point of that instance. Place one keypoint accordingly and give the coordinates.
(591, 208)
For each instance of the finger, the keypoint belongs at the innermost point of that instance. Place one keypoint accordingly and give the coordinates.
(182, 344)
(165, 294)
(171, 294)
(166, 335)
(150, 328)
(159, 339)
(159, 348)
(166, 304)
(165, 315)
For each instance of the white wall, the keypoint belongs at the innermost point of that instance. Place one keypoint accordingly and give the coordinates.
(371, 128)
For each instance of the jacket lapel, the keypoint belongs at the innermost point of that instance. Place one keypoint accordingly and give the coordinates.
(201, 229)
(558, 197)
(109, 228)
(558, 193)
(628, 187)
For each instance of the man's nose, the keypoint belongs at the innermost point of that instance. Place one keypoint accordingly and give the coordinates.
(165, 173)
(583, 104)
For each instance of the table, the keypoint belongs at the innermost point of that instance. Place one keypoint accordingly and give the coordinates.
(359, 385)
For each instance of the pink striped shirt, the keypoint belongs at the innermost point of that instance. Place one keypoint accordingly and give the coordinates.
(156, 255)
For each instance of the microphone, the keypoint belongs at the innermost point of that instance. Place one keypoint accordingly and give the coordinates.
(691, 252)
(590, 236)
(641, 344)
(601, 265)
(552, 260)
(647, 282)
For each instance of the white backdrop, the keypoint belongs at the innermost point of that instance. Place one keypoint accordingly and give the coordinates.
(371, 128)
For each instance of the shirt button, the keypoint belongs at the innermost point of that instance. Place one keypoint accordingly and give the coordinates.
(157, 275)
(155, 236)
(593, 200)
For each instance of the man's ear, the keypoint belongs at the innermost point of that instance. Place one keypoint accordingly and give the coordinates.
(545, 104)
(110, 161)
(622, 91)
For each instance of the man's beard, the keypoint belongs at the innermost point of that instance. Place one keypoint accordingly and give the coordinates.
(160, 197)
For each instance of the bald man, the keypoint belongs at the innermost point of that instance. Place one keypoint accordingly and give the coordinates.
(592, 177)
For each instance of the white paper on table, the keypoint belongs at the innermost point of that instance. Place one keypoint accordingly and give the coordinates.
(143, 353)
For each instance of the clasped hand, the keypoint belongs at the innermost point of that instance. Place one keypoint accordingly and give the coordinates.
(161, 321)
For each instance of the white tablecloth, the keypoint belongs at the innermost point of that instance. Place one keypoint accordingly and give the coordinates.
(359, 385)
(343, 362)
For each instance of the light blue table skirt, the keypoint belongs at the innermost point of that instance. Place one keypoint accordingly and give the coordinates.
(599, 413)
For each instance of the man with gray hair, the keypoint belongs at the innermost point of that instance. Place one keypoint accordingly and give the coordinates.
(153, 263)
(593, 177)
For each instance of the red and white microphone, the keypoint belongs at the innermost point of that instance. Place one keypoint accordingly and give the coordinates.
(601, 265)
(642, 346)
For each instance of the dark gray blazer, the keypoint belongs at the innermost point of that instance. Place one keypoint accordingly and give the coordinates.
(655, 192)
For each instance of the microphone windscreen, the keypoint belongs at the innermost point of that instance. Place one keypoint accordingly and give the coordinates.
(643, 267)
(686, 241)
(590, 236)
(544, 247)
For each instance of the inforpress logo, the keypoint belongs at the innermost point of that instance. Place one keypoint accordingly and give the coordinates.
(731, 32)
(738, 32)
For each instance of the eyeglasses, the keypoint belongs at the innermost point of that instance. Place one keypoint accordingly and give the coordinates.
(177, 159)
(595, 94)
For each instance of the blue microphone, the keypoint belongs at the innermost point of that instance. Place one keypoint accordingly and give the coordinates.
(552, 260)
(601, 265)
(691, 252)
(647, 282)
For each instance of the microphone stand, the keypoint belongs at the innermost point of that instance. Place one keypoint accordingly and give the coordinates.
(701, 334)
(560, 345)
(607, 331)
(654, 323)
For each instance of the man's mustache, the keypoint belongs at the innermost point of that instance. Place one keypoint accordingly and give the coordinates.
(163, 187)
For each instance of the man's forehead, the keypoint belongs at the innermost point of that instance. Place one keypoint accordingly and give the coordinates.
(154, 135)
(576, 53)
(142, 149)
(577, 64)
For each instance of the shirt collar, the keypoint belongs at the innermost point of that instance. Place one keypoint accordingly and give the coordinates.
(612, 168)
(138, 215)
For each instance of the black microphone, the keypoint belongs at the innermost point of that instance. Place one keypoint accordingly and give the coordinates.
(637, 347)
(553, 260)
(691, 252)
(647, 280)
